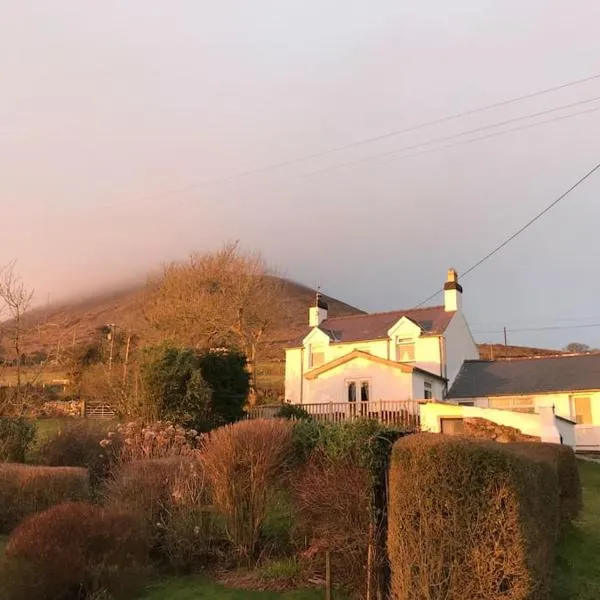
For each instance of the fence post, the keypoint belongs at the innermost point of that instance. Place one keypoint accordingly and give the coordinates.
(327, 575)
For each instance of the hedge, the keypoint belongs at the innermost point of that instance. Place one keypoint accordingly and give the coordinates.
(26, 489)
(75, 550)
(470, 519)
(339, 494)
(563, 459)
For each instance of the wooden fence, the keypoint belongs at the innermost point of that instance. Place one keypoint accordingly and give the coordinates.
(403, 414)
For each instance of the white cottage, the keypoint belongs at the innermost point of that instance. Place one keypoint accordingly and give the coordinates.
(400, 355)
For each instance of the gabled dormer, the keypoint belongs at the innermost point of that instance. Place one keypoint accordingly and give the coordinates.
(403, 336)
(316, 345)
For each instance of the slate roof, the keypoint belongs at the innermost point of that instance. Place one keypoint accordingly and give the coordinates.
(523, 376)
(355, 328)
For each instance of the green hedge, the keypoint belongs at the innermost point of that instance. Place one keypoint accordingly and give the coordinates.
(470, 519)
(26, 489)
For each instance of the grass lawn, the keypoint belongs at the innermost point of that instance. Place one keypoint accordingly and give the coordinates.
(193, 588)
(578, 565)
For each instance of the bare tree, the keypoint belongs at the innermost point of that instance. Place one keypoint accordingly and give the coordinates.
(16, 300)
(578, 348)
(218, 298)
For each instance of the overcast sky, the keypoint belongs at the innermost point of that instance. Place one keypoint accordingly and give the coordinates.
(114, 115)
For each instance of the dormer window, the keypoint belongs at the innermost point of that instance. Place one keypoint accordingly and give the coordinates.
(316, 356)
(405, 350)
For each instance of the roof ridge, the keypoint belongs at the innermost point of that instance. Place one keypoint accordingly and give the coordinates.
(387, 312)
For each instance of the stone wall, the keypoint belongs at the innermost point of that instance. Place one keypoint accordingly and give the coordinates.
(483, 429)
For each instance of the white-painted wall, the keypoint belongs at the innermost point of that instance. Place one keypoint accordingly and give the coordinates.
(385, 382)
(419, 379)
(293, 375)
(544, 425)
(562, 403)
(376, 348)
(459, 345)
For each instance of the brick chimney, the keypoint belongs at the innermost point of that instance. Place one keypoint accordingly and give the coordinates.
(452, 292)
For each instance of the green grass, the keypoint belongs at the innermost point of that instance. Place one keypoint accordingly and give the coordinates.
(193, 588)
(577, 574)
(48, 427)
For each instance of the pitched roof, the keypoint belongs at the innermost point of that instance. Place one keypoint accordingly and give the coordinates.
(520, 376)
(354, 328)
(405, 368)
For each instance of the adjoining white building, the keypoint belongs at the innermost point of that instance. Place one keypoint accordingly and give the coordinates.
(567, 384)
(393, 356)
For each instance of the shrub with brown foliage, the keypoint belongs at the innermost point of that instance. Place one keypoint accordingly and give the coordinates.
(244, 463)
(171, 498)
(77, 444)
(332, 501)
(470, 519)
(144, 487)
(73, 551)
(563, 459)
(25, 490)
(137, 440)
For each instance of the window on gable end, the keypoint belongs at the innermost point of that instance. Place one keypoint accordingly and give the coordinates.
(317, 356)
(405, 350)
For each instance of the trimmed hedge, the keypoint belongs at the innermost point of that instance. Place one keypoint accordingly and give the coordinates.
(72, 551)
(563, 459)
(470, 519)
(26, 489)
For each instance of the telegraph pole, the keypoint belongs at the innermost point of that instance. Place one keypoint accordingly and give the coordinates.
(505, 337)
(111, 336)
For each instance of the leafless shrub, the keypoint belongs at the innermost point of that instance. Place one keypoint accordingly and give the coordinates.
(332, 500)
(243, 463)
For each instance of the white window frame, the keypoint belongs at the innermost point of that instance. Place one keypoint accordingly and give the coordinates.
(514, 403)
(427, 387)
(573, 399)
(400, 341)
(358, 382)
(311, 351)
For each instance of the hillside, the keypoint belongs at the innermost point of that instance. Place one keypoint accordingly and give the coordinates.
(497, 351)
(54, 328)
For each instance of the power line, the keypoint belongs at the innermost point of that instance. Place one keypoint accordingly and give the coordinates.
(547, 328)
(365, 141)
(520, 230)
(467, 132)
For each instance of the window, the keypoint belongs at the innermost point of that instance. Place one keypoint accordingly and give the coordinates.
(582, 407)
(515, 403)
(352, 391)
(364, 391)
(354, 388)
(405, 350)
(428, 392)
(317, 356)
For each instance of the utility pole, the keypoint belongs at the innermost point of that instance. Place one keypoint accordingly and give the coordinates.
(505, 338)
(126, 363)
(111, 336)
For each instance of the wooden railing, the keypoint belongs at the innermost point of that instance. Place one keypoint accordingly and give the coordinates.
(403, 414)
